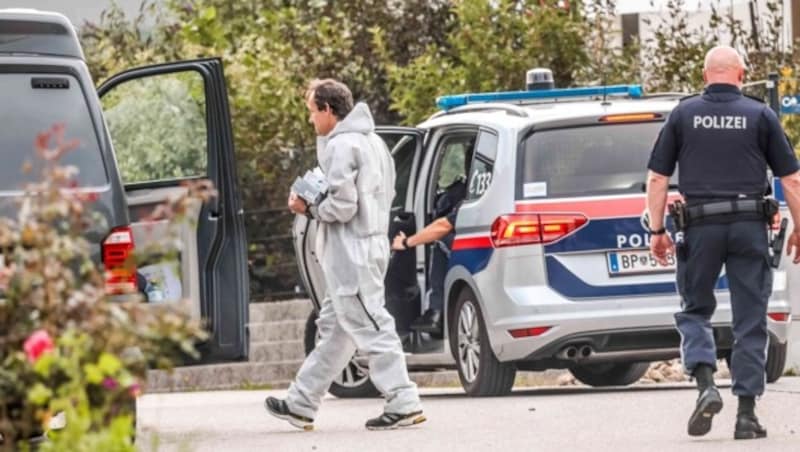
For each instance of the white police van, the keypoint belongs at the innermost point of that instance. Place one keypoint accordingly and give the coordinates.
(550, 266)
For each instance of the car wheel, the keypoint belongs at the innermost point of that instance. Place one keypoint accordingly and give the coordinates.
(610, 374)
(354, 380)
(776, 361)
(480, 372)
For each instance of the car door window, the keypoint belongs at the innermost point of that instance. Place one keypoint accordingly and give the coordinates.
(158, 127)
(480, 174)
(403, 154)
(452, 157)
(451, 160)
(405, 146)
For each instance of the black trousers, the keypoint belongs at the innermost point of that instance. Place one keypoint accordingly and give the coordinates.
(742, 247)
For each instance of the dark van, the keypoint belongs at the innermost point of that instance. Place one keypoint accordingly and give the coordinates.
(141, 135)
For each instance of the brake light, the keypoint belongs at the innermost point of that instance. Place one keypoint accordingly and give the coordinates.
(120, 270)
(779, 316)
(632, 117)
(526, 229)
(529, 332)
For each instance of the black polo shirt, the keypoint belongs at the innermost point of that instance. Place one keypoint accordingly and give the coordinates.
(722, 143)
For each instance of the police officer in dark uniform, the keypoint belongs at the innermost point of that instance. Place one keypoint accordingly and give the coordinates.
(441, 233)
(723, 143)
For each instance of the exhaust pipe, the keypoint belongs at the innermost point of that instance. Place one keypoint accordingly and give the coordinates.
(569, 353)
(575, 352)
(586, 354)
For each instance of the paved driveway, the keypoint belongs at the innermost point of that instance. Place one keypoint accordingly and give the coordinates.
(641, 418)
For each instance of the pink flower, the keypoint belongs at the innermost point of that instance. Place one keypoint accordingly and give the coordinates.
(110, 383)
(38, 344)
(135, 390)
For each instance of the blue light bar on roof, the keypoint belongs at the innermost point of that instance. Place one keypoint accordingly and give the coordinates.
(457, 100)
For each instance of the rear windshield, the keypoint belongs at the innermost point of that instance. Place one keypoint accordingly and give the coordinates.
(26, 111)
(602, 159)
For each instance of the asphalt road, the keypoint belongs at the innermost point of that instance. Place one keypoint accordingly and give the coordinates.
(639, 418)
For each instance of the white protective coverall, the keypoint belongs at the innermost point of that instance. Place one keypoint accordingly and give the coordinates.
(353, 249)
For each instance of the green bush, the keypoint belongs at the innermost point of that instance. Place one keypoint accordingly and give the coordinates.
(490, 47)
(65, 346)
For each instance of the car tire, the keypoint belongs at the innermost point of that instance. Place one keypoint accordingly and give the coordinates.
(776, 361)
(353, 381)
(479, 371)
(609, 374)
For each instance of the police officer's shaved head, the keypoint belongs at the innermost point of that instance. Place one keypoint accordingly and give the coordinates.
(724, 64)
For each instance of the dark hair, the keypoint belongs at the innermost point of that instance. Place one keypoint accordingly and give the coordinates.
(331, 93)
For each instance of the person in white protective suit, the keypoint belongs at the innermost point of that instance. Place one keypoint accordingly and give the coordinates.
(353, 248)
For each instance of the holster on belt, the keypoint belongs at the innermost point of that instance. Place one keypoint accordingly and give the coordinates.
(677, 211)
(735, 209)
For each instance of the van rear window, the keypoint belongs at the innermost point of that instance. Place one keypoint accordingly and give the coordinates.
(602, 159)
(31, 104)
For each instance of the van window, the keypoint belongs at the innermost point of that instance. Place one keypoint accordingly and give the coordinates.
(158, 127)
(603, 159)
(33, 103)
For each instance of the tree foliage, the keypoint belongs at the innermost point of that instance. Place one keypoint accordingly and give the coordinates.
(673, 59)
(674, 56)
(490, 48)
(608, 62)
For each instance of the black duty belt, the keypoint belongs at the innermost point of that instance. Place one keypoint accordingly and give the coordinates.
(735, 209)
(762, 207)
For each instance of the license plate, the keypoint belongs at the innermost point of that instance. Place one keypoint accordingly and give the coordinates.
(636, 261)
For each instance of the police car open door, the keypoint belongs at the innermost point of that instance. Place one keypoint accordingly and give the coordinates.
(170, 125)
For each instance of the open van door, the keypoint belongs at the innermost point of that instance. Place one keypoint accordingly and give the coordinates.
(170, 124)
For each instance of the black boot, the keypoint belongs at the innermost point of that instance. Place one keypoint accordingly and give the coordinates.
(704, 374)
(747, 425)
(430, 322)
(709, 402)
